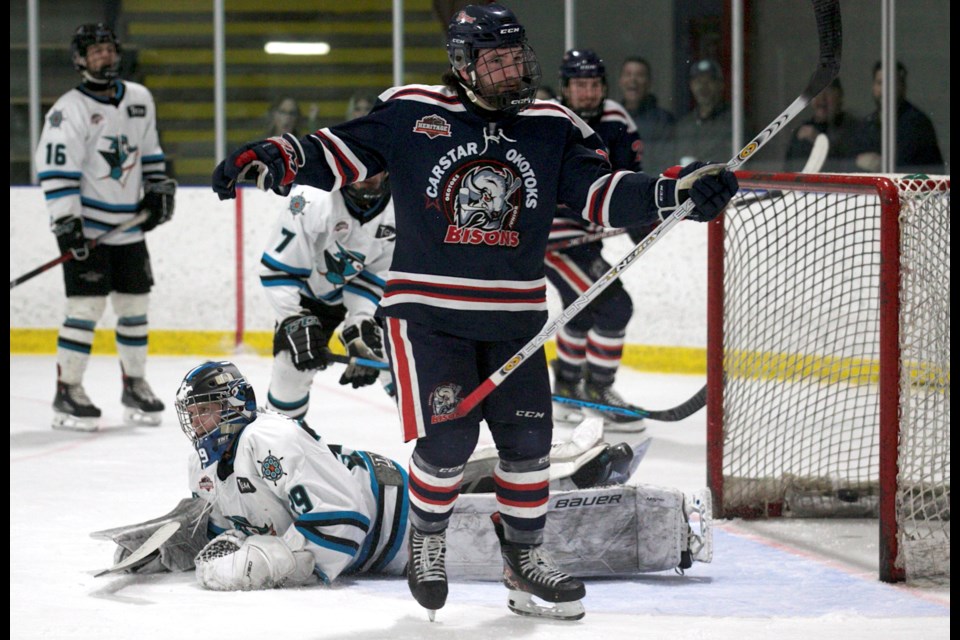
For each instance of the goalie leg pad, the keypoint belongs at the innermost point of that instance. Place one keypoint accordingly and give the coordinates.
(233, 562)
(601, 531)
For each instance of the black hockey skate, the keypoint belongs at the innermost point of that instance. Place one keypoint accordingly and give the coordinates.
(565, 414)
(606, 394)
(426, 571)
(529, 571)
(140, 405)
(72, 409)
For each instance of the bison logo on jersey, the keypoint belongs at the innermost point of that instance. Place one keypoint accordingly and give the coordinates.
(444, 401)
(483, 203)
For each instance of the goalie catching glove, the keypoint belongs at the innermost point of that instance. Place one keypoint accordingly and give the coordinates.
(158, 200)
(303, 336)
(235, 562)
(363, 339)
(270, 164)
(710, 185)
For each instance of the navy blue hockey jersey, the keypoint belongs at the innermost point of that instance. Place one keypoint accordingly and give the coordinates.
(474, 200)
(618, 132)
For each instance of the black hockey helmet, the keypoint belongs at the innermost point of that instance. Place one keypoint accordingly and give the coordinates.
(214, 402)
(89, 34)
(583, 63)
(491, 26)
(366, 199)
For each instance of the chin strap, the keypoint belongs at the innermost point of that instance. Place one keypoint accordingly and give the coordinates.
(475, 99)
(95, 84)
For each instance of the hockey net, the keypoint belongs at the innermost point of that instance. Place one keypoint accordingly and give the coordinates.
(829, 358)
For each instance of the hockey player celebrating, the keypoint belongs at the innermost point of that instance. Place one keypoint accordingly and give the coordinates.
(99, 163)
(324, 264)
(590, 346)
(471, 287)
(275, 505)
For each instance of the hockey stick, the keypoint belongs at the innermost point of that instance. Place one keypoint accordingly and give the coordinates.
(91, 245)
(362, 362)
(674, 414)
(143, 554)
(829, 34)
(818, 155)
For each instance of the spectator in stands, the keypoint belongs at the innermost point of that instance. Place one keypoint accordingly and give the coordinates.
(917, 148)
(283, 117)
(360, 104)
(839, 126)
(655, 124)
(706, 132)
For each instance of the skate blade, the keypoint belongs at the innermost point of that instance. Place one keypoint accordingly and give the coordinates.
(136, 417)
(67, 422)
(432, 614)
(523, 604)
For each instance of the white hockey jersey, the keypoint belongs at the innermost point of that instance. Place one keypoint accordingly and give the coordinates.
(279, 478)
(93, 155)
(318, 250)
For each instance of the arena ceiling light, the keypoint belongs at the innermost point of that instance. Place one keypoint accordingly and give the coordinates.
(297, 48)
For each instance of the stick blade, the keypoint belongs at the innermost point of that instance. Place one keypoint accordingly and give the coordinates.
(818, 155)
(149, 545)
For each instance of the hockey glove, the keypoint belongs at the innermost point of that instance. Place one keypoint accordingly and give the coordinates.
(234, 562)
(711, 187)
(302, 335)
(270, 164)
(362, 340)
(69, 232)
(158, 200)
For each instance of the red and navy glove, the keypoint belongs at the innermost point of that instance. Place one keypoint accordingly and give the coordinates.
(710, 185)
(270, 164)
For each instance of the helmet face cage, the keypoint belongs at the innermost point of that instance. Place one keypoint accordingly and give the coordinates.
(489, 46)
(583, 63)
(90, 34)
(222, 403)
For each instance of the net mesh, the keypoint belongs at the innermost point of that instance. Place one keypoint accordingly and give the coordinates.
(801, 360)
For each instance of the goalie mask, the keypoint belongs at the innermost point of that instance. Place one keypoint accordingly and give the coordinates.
(489, 54)
(91, 34)
(214, 403)
(368, 198)
(586, 98)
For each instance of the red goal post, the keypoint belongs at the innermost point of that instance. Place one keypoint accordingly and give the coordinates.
(828, 357)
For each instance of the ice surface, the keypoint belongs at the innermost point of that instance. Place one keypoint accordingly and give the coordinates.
(767, 579)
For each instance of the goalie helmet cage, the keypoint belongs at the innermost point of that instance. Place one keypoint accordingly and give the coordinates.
(828, 358)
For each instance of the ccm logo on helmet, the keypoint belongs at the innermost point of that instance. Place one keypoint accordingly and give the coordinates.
(507, 30)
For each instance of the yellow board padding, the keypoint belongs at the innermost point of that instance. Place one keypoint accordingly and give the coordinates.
(217, 344)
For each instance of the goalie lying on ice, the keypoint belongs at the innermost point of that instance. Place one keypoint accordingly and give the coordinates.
(274, 505)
